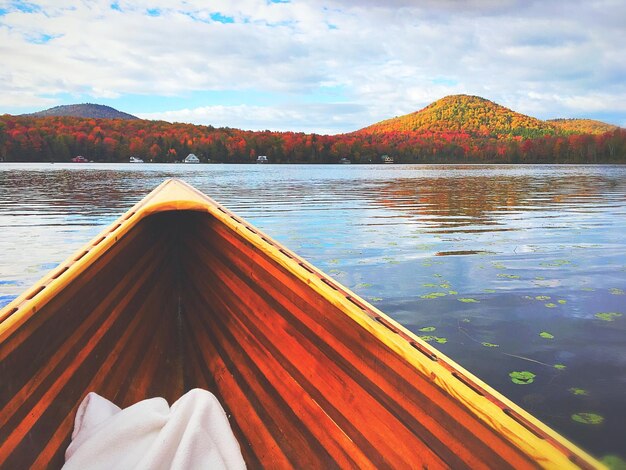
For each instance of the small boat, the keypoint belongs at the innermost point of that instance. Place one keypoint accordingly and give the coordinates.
(345, 161)
(180, 293)
(135, 160)
(262, 159)
(80, 159)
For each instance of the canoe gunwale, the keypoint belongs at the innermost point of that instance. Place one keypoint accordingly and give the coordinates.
(522, 430)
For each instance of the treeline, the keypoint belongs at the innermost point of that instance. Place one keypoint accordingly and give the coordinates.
(60, 139)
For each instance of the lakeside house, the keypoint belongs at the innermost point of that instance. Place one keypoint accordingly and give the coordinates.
(261, 159)
(386, 159)
(80, 159)
(191, 158)
(345, 161)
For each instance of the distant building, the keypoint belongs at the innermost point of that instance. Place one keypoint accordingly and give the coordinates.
(261, 159)
(191, 158)
(345, 161)
(386, 159)
(80, 159)
(135, 160)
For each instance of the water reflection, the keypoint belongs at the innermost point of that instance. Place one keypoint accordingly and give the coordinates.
(502, 268)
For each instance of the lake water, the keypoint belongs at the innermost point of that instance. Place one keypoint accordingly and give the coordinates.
(503, 268)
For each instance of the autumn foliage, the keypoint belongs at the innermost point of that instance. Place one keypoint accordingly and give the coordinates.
(454, 129)
(465, 114)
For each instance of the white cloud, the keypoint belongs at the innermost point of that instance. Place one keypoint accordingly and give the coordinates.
(560, 58)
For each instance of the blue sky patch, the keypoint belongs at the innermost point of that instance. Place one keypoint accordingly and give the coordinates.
(153, 12)
(42, 38)
(222, 18)
(445, 81)
(26, 7)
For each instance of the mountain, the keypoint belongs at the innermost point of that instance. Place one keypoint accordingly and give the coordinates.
(582, 126)
(464, 113)
(85, 110)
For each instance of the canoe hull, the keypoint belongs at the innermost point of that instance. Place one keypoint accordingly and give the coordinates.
(181, 294)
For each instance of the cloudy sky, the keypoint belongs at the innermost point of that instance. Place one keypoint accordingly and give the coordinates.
(324, 66)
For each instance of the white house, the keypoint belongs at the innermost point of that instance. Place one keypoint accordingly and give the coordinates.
(191, 158)
(261, 159)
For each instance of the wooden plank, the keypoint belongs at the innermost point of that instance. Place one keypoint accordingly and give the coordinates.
(257, 443)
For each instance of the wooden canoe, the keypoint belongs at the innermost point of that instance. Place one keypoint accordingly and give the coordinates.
(180, 293)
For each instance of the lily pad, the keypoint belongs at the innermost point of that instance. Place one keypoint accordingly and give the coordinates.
(452, 292)
(614, 462)
(468, 300)
(427, 329)
(436, 339)
(489, 291)
(333, 261)
(522, 377)
(546, 335)
(556, 263)
(445, 285)
(466, 320)
(429, 284)
(579, 391)
(508, 276)
(608, 316)
(588, 418)
(562, 301)
(490, 345)
(550, 305)
(363, 285)
(560, 366)
(433, 295)
(376, 299)
(616, 291)
(543, 297)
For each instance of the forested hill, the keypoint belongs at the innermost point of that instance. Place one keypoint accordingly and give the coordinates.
(582, 126)
(85, 110)
(473, 115)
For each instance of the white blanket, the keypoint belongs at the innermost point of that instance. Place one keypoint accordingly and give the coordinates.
(193, 434)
